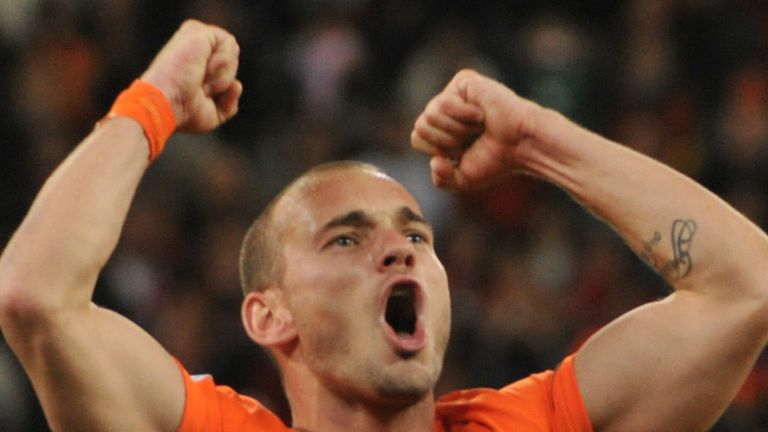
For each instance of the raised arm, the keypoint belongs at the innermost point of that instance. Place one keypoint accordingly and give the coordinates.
(672, 365)
(91, 368)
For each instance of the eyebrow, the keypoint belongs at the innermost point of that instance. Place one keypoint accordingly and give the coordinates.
(355, 218)
(359, 218)
(407, 214)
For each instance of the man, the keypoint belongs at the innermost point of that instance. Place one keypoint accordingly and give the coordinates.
(343, 286)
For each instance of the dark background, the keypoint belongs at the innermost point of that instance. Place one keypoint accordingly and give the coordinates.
(532, 275)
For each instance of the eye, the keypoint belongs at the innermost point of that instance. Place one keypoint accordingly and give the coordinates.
(415, 237)
(343, 241)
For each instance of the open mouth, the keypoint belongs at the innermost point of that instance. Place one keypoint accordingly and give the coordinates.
(403, 326)
(400, 312)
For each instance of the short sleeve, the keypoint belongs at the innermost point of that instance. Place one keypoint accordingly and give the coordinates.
(212, 408)
(545, 402)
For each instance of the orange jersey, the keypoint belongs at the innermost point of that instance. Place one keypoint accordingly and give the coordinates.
(547, 401)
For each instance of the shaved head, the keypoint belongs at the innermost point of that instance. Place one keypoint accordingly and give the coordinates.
(262, 263)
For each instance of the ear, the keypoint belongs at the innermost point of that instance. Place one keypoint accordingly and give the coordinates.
(266, 320)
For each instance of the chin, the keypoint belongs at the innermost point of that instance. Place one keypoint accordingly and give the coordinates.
(407, 386)
(403, 393)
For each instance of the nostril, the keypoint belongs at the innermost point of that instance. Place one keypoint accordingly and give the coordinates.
(406, 260)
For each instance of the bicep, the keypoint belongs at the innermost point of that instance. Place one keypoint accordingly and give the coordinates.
(670, 365)
(93, 369)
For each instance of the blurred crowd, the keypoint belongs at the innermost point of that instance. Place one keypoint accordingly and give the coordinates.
(532, 275)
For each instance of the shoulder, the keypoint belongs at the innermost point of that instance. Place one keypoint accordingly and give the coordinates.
(546, 401)
(212, 407)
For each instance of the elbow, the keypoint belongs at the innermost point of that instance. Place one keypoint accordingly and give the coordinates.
(18, 300)
(746, 288)
(762, 306)
(754, 306)
(758, 294)
(21, 303)
(30, 295)
(16, 305)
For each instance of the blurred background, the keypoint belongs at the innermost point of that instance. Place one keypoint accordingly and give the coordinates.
(532, 275)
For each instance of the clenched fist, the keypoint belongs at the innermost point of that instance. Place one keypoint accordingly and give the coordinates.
(197, 70)
(475, 130)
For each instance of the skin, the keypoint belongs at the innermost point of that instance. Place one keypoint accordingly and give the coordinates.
(337, 360)
(696, 346)
(86, 363)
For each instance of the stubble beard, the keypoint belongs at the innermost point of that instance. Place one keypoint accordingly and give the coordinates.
(404, 383)
(407, 384)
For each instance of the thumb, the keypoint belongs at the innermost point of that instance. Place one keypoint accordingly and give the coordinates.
(444, 172)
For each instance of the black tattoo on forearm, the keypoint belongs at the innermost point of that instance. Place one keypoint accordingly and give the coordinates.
(647, 252)
(681, 264)
(682, 239)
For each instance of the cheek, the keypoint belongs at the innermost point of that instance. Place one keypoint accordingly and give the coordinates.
(322, 327)
(327, 305)
(318, 313)
(326, 274)
(440, 299)
(437, 278)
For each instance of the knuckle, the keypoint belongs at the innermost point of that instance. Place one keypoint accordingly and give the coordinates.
(466, 73)
(421, 124)
(445, 105)
(414, 138)
(191, 23)
(432, 118)
(416, 141)
(230, 40)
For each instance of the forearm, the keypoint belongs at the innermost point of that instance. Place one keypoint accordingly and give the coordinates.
(705, 337)
(691, 237)
(53, 259)
(87, 363)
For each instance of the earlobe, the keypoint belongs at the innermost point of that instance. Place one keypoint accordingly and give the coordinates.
(266, 320)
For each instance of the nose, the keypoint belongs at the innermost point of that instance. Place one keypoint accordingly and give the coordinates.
(396, 252)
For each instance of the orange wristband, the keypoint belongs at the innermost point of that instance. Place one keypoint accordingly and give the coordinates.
(147, 105)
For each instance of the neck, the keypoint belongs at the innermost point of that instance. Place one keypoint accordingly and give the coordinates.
(316, 408)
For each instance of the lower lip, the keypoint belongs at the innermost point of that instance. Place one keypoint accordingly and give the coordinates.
(407, 343)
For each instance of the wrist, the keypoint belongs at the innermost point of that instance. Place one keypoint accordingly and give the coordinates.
(550, 146)
(150, 107)
(169, 88)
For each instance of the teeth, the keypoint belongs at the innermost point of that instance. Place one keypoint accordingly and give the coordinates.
(401, 292)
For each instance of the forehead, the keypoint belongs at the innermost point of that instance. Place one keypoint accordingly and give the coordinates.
(318, 199)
